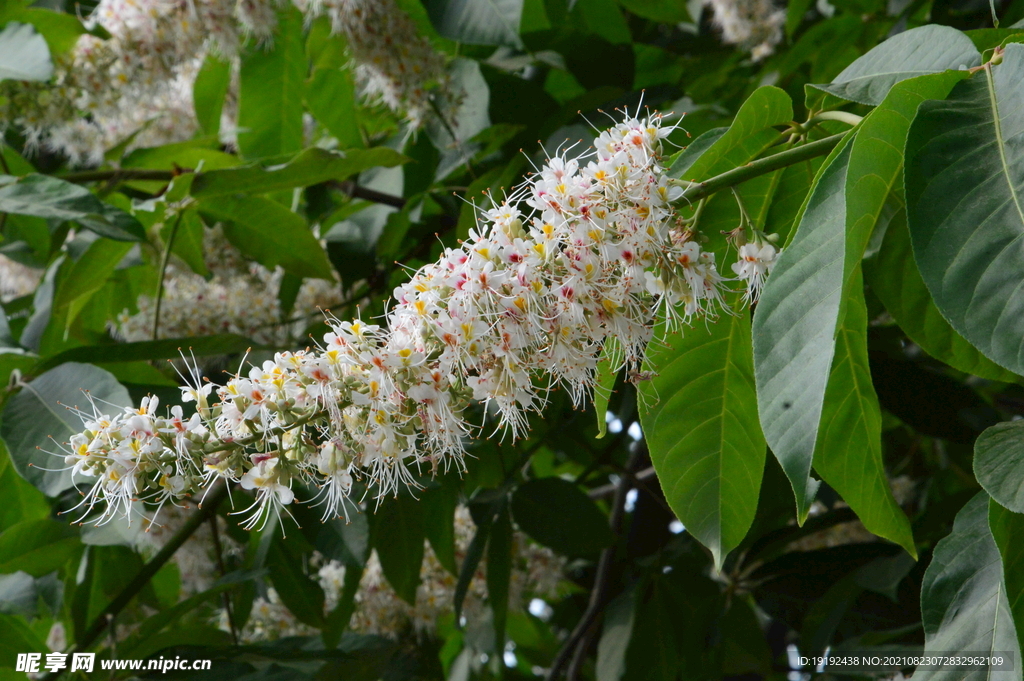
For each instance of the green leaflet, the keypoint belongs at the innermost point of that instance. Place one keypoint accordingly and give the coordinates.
(270, 234)
(999, 463)
(270, 97)
(35, 414)
(964, 605)
(794, 329)
(919, 51)
(311, 166)
(895, 279)
(749, 135)
(965, 171)
(848, 451)
(702, 431)
(1008, 532)
(397, 528)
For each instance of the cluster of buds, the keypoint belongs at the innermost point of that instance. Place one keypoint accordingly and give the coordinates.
(525, 304)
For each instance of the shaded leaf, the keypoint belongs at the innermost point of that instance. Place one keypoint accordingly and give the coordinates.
(477, 22)
(398, 535)
(1008, 532)
(582, 529)
(965, 171)
(209, 91)
(999, 463)
(895, 279)
(964, 606)
(37, 547)
(49, 197)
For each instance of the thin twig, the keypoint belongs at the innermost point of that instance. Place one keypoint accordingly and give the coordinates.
(215, 533)
(163, 272)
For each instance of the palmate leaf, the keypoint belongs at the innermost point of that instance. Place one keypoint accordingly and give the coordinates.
(964, 604)
(702, 430)
(964, 179)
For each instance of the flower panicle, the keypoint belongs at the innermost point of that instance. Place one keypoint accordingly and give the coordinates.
(589, 250)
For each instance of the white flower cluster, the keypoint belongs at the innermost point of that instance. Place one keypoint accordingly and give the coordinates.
(523, 305)
(536, 572)
(392, 62)
(240, 297)
(139, 81)
(753, 25)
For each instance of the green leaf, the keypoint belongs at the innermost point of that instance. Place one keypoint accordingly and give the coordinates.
(302, 595)
(49, 197)
(37, 413)
(312, 166)
(749, 135)
(188, 241)
(794, 328)
(22, 501)
(848, 451)
(60, 29)
(876, 159)
(964, 606)
(474, 552)
(209, 91)
(168, 348)
(398, 536)
(919, 51)
(331, 98)
(999, 463)
(16, 637)
(87, 276)
(338, 619)
(702, 431)
(24, 54)
(895, 279)
(664, 11)
(1008, 532)
(616, 632)
(694, 150)
(439, 506)
(965, 170)
(582, 530)
(477, 22)
(270, 234)
(37, 547)
(271, 88)
(499, 572)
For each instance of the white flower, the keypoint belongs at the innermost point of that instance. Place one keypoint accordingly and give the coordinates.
(754, 264)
